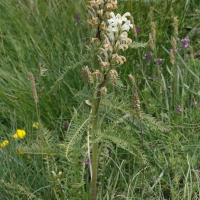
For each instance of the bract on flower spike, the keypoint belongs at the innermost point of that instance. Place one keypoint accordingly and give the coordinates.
(103, 91)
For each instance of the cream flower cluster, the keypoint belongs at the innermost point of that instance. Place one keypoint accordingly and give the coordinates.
(116, 38)
(110, 36)
(118, 27)
(115, 23)
(98, 8)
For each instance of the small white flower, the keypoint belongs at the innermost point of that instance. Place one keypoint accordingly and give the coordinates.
(123, 35)
(118, 19)
(112, 28)
(111, 36)
(122, 18)
(112, 15)
(126, 26)
(116, 23)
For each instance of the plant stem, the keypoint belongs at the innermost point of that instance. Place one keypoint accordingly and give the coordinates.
(142, 160)
(174, 83)
(96, 103)
(95, 112)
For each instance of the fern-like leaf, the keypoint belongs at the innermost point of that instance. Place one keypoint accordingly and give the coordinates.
(45, 148)
(124, 144)
(127, 108)
(39, 149)
(75, 132)
(136, 45)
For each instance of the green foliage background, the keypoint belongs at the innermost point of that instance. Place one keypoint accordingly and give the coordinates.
(39, 35)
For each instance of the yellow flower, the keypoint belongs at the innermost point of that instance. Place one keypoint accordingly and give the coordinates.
(19, 134)
(4, 143)
(36, 125)
(20, 151)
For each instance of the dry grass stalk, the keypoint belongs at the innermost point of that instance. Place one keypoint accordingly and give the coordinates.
(33, 87)
(175, 27)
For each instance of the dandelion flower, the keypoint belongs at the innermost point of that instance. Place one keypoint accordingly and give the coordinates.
(4, 143)
(36, 125)
(19, 134)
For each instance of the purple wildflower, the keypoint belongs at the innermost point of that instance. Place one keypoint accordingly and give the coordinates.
(149, 60)
(161, 68)
(176, 48)
(153, 177)
(77, 17)
(137, 30)
(196, 30)
(150, 146)
(148, 54)
(184, 43)
(197, 103)
(178, 108)
(66, 125)
(159, 60)
(153, 77)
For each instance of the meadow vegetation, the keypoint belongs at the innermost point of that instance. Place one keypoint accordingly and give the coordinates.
(147, 130)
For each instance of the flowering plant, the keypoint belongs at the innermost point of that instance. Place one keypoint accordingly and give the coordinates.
(19, 134)
(4, 143)
(111, 37)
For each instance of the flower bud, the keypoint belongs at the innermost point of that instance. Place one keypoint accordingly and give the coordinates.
(113, 62)
(60, 173)
(119, 27)
(59, 181)
(102, 34)
(116, 36)
(103, 91)
(106, 69)
(115, 49)
(98, 43)
(54, 174)
(101, 78)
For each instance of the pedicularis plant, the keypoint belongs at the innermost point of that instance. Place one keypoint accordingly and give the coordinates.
(111, 37)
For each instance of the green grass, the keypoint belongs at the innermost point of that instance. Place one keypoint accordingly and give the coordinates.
(46, 36)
